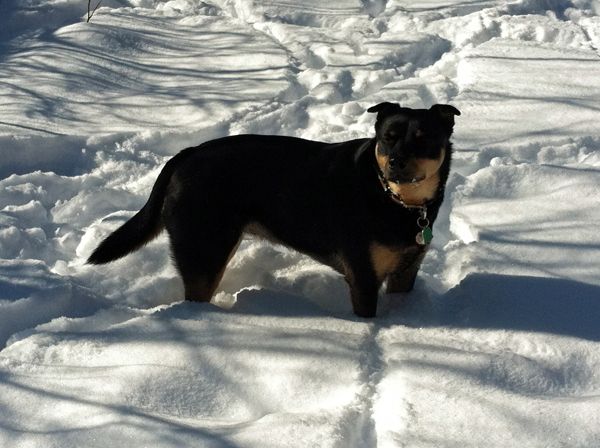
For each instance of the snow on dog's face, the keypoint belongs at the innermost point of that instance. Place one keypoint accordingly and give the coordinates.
(412, 143)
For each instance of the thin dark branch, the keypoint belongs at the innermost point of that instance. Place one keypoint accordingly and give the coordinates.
(91, 14)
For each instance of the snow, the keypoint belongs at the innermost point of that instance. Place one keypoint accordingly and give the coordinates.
(497, 346)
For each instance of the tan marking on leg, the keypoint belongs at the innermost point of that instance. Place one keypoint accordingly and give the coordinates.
(403, 279)
(385, 259)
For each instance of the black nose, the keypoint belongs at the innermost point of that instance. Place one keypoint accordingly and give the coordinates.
(397, 163)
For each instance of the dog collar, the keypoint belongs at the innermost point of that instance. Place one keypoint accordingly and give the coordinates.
(425, 235)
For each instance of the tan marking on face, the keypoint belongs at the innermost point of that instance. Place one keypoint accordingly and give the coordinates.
(431, 166)
(420, 192)
(382, 161)
(385, 259)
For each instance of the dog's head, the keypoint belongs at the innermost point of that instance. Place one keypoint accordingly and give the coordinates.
(412, 143)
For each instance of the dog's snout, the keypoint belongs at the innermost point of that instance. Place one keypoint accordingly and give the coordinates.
(396, 163)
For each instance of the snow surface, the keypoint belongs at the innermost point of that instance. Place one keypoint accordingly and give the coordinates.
(499, 344)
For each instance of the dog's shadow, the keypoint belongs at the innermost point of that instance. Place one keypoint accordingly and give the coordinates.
(530, 304)
(481, 301)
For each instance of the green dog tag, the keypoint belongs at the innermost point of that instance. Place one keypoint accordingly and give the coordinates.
(425, 236)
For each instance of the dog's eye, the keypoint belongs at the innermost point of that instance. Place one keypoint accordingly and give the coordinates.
(391, 135)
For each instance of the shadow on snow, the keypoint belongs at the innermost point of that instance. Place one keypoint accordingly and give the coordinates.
(547, 305)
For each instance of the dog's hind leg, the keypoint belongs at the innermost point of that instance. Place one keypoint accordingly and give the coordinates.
(201, 251)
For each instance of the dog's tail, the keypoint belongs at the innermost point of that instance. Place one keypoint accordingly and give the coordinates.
(142, 228)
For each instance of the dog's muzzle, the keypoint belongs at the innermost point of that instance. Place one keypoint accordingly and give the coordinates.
(401, 172)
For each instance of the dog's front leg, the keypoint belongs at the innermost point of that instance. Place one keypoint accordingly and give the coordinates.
(364, 288)
(403, 279)
(364, 299)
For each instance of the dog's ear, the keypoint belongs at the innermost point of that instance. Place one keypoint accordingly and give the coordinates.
(384, 109)
(446, 112)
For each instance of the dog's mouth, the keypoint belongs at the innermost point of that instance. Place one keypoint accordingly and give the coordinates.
(411, 172)
(406, 179)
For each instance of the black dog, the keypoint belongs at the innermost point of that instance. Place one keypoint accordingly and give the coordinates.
(364, 207)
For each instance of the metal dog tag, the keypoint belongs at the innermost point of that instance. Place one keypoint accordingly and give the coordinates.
(424, 237)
